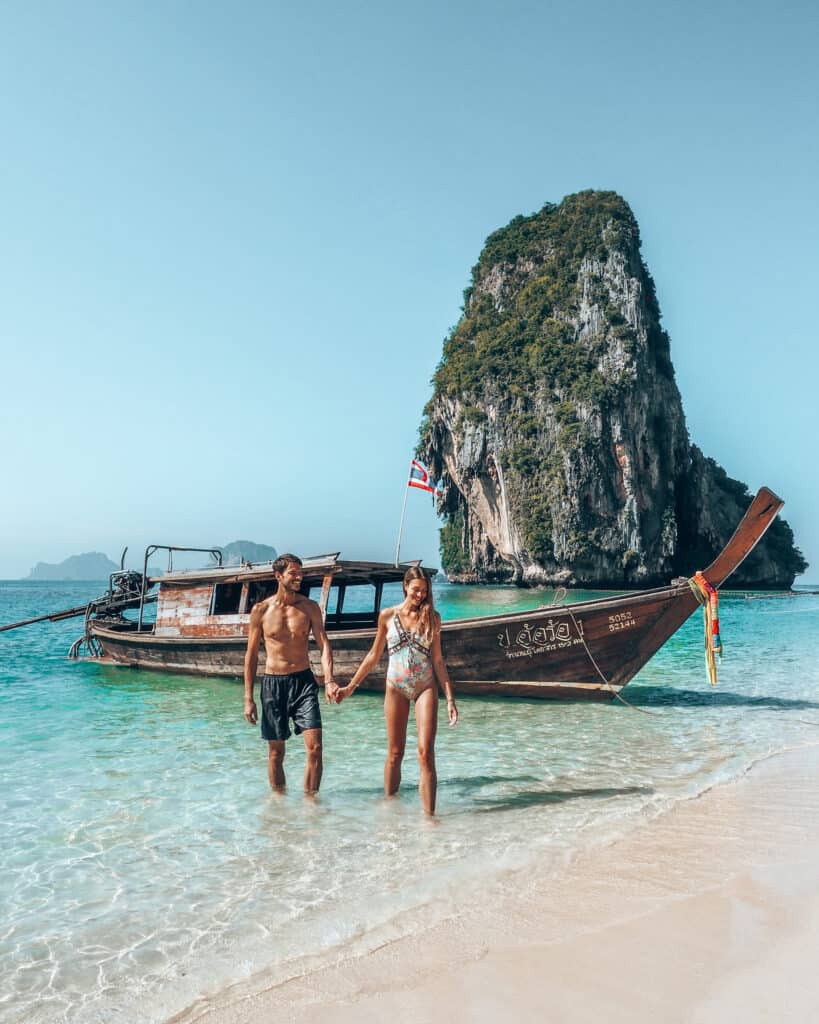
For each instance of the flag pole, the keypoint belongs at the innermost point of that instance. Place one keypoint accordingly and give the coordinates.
(401, 525)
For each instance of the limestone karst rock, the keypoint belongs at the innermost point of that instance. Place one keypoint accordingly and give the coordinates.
(556, 428)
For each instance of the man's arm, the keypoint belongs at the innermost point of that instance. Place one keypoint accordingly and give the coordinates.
(254, 638)
(320, 636)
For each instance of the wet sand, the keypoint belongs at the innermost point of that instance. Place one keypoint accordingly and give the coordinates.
(708, 913)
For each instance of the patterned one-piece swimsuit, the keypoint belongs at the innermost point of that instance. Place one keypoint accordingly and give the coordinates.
(410, 669)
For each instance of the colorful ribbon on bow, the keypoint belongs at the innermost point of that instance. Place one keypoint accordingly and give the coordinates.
(709, 599)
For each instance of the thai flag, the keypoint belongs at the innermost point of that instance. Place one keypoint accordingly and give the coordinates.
(419, 477)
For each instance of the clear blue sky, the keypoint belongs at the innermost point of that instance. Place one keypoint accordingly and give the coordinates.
(234, 236)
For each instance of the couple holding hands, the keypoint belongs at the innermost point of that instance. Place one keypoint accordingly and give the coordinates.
(411, 631)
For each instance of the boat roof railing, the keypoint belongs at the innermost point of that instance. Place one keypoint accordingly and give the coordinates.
(146, 583)
(315, 568)
(215, 553)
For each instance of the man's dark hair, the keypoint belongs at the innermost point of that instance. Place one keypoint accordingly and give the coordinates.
(284, 560)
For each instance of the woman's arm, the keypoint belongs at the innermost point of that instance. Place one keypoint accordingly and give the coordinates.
(371, 658)
(441, 671)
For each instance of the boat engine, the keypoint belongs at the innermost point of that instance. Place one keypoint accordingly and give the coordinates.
(126, 589)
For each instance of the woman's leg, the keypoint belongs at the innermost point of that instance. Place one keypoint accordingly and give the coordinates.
(396, 714)
(426, 721)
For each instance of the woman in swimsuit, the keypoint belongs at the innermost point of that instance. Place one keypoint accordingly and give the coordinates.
(412, 633)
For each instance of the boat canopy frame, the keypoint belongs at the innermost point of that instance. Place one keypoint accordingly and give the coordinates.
(323, 571)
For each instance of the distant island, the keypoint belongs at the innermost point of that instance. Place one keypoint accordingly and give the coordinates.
(94, 565)
(246, 551)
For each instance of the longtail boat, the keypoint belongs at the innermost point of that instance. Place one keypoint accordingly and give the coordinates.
(586, 650)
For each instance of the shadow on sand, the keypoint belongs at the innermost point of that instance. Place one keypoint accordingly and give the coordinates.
(661, 696)
(532, 797)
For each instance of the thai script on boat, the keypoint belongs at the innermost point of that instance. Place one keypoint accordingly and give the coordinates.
(622, 620)
(552, 635)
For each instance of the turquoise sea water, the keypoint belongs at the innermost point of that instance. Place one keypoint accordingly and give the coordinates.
(145, 864)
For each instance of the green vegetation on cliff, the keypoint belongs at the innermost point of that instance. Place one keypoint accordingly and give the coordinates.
(532, 341)
(454, 557)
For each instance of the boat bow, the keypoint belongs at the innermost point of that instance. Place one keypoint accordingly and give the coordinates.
(758, 517)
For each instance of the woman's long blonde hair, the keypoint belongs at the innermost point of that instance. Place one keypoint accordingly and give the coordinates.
(427, 616)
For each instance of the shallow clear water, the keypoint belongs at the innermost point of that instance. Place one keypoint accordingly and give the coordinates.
(144, 861)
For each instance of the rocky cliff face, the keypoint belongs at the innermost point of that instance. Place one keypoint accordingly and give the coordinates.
(556, 428)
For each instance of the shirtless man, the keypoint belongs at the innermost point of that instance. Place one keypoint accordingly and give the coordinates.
(289, 689)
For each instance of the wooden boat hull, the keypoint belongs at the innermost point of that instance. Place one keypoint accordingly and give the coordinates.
(587, 650)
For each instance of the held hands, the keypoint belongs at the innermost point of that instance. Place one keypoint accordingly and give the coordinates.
(344, 692)
(250, 711)
(331, 691)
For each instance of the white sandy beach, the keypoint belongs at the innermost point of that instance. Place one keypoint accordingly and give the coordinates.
(707, 913)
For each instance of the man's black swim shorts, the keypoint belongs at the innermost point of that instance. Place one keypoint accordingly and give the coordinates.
(290, 696)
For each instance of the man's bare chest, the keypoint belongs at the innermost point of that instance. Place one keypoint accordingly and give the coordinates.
(284, 625)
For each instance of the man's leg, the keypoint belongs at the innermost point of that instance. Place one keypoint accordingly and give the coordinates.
(275, 764)
(313, 763)
(426, 722)
(396, 714)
